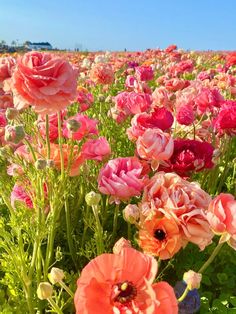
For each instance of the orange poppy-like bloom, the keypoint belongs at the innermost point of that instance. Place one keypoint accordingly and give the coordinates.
(121, 284)
(160, 236)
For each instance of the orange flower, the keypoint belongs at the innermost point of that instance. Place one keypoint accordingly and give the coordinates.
(109, 284)
(160, 236)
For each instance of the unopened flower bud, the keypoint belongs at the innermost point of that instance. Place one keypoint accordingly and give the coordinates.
(11, 113)
(40, 164)
(50, 163)
(44, 290)
(92, 198)
(131, 213)
(101, 98)
(120, 245)
(108, 99)
(14, 134)
(192, 279)
(56, 275)
(73, 125)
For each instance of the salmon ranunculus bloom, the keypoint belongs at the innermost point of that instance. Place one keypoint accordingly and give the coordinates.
(6, 66)
(160, 236)
(109, 285)
(45, 81)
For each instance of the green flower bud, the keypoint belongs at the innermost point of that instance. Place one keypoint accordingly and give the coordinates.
(44, 290)
(14, 133)
(92, 198)
(11, 113)
(40, 164)
(56, 275)
(73, 125)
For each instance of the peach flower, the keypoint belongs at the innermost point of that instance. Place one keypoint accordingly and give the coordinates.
(6, 66)
(42, 80)
(102, 73)
(155, 145)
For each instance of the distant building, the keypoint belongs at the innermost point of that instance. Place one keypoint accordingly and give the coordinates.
(38, 46)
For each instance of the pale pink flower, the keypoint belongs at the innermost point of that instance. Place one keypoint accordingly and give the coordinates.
(192, 279)
(6, 66)
(155, 145)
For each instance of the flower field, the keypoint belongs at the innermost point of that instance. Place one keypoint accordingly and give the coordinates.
(118, 182)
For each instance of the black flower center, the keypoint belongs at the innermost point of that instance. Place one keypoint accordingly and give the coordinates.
(159, 234)
(125, 292)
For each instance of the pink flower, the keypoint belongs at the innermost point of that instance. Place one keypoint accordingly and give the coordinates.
(102, 73)
(110, 283)
(130, 103)
(97, 149)
(222, 214)
(84, 98)
(6, 100)
(121, 178)
(42, 80)
(175, 84)
(86, 126)
(158, 118)
(130, 82)
(185, 114)
(144, 73)
(182, 67)
(20, 194)
(226, 119)
(6, 66)
(155, 145)
(207, 99)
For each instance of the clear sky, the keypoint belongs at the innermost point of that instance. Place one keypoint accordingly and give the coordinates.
(119, 24)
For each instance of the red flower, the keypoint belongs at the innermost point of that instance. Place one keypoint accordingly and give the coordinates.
(190, 155)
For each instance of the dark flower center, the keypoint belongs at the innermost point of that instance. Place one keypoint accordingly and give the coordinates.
(125, 292)
(159, 234)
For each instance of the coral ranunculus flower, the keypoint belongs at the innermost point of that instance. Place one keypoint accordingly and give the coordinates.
(45, 81)
(109, 285)
(160, 237)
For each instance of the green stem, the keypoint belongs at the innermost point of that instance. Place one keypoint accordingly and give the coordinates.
(47, 137)
(60, 145)
(54, 306)
(99, 231)
(211, 258)
(67, 289)
(69, 233)
(115, 220)
(183, 296)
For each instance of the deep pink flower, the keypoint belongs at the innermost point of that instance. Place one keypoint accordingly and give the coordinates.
(121, 178)
(20, 194)
(144, 73)
(160, 118)
(226, 119)
(185, 114)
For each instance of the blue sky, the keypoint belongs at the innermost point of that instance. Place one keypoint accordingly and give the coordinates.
(119, 24)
